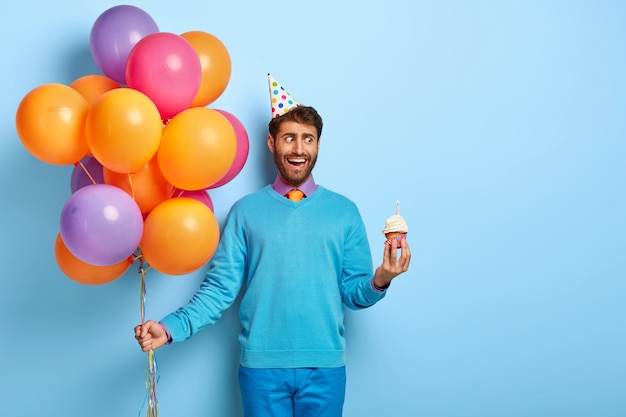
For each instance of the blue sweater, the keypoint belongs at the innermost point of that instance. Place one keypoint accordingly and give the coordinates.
(299, 263)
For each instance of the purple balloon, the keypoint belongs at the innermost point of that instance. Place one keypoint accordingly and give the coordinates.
(113, 36)
(80, 178)
(101, 224)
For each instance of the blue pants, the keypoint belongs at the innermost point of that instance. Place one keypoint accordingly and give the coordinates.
(292, 392)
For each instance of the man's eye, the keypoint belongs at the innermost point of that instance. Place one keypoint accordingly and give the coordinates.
(309, 139)
(288, 138)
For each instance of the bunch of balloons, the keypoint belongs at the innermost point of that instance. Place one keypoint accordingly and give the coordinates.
(145, 146)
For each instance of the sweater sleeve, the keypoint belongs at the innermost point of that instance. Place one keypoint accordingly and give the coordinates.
(218, 290)
(356, 287)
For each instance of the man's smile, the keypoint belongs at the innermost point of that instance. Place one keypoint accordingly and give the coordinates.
(296, 161)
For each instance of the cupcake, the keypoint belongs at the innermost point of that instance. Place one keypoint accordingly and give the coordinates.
(395, 228)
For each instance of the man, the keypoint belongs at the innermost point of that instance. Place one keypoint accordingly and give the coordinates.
(299, 263)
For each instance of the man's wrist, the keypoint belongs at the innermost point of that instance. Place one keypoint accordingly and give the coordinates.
(167, 333)
(378, 287)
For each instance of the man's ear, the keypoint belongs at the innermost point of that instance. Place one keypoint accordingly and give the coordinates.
(270, 143)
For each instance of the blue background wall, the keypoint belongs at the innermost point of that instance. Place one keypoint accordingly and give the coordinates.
(498, 125)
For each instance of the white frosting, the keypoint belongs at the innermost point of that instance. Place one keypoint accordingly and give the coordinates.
(395, 223)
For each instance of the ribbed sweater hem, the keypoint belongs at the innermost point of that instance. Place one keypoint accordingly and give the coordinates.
(293, 359)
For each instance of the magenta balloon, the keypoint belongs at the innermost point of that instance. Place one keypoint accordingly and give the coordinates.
(243, 147)
(101, 224)
(199, 195)
(113, 36)
(166, 68)
(80, 179)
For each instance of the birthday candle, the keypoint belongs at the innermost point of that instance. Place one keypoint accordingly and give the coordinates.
(397, 206)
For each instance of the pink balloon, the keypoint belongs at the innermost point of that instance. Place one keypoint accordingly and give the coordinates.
(166, 68)
(200, 195)
(101, 224)
(243, 147)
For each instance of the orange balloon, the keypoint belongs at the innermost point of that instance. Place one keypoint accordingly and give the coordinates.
(85, 273)
(147, 186)
(197, 149)
(50, 122)
(215, 64)
(180, 235)
(123, 130)
(93, 86)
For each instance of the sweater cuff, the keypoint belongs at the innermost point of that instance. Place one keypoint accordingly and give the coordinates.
(176, 327)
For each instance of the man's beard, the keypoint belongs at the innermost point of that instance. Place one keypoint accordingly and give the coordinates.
(295, 180)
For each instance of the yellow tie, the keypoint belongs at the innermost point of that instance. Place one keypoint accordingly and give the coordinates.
(295, 195)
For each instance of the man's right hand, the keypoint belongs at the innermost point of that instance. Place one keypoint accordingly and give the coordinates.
(151, 335)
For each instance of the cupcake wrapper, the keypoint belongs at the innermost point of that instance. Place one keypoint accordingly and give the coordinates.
(395, 235)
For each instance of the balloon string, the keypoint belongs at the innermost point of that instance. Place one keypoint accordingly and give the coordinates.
(132, 189)
(142, 292)
(172, 193)
(87, 172)
(152, 374)
(151, 381)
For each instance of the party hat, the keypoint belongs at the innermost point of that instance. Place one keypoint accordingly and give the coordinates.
(281, 100)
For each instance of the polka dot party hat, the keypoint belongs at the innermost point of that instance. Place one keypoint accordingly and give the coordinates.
(281, 100)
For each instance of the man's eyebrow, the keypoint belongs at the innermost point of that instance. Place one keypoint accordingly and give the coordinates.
(312, 135)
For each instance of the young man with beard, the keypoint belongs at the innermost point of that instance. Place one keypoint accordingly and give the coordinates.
(299, 263)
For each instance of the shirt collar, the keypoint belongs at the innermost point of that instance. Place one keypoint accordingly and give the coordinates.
(282, 188)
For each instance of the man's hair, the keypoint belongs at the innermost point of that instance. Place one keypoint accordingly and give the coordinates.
(302, 114)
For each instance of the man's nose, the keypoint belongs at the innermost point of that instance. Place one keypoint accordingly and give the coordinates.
(298, 145)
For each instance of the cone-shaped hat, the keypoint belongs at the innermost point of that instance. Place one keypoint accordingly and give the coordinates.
(281, 100)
